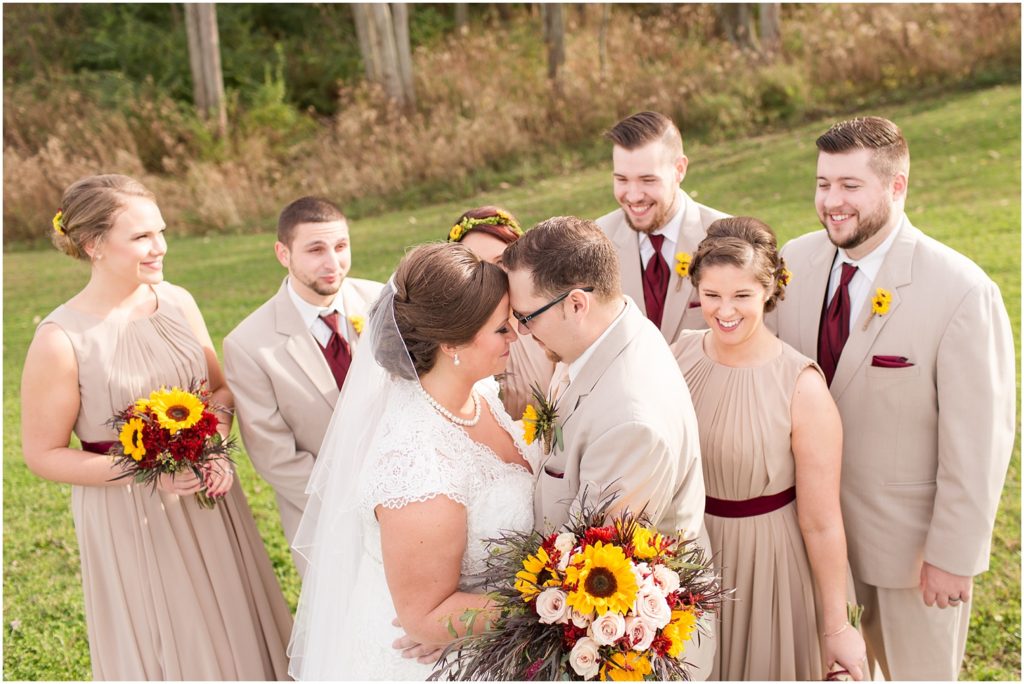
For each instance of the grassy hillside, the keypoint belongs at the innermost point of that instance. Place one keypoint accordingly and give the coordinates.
(964, 190)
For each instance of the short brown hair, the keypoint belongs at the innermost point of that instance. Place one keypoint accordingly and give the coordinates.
(305, 210)
(89, 208)
(642, 128)
(566, 252)
(444, 294)
(502, 231)
(890, 154)
(747, 243)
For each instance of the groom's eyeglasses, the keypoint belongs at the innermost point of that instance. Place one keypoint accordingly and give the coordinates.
(524, 321)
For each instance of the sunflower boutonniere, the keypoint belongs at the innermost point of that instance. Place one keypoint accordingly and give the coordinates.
(682, 267)
(540, 418)
(879, 305)
(358, 322)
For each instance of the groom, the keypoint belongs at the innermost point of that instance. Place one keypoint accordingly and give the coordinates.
(626, 415)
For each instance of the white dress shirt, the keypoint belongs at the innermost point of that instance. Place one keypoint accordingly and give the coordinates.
(310, 314)
(867, 270)
(671, 233)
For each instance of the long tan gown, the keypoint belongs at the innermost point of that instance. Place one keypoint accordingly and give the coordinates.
(769, 629)
(172, 591)
(528, 364)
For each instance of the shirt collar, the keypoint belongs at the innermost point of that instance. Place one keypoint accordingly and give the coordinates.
(309, 313)
(672, 227)
(576, 366)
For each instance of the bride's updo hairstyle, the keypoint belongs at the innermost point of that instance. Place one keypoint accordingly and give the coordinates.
(88, 210)
(747, 243)
(444, 294)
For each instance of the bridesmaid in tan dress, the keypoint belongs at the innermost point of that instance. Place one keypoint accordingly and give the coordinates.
(172, 591)
(771, 440)
(487, 231)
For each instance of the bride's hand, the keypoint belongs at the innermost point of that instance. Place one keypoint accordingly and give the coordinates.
(846, 649)
(181, 483)
(428, 655)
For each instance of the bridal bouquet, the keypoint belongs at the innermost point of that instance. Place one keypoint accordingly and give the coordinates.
(618, 601)
(170, 431)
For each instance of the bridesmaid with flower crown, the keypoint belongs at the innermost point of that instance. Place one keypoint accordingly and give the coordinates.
(172, 590)
(771, 443)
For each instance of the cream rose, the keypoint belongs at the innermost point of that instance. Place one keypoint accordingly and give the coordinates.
(666, 579)
(652, 606)
(640, 633)
(579, 619)
(608, 628)
(584, 658)
(564, 543)
(551, 606)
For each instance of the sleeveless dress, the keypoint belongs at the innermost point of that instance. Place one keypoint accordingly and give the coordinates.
(769, 628)
(172, 591)
(420, 456)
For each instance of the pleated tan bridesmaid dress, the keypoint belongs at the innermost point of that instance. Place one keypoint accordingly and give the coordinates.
(172, 591)
(769, 629)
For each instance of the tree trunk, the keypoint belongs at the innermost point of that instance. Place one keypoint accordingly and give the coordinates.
(736, 23)
(364, 33)
(382, 36)
(554, 36)
(204, 60)
(400, 15)
(602, 42)
(771, 33)
(461, 16)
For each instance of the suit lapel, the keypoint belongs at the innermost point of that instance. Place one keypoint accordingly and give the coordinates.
(894, 274)
(301, 345)
(680, 290)
(599, 361)
(812, 297)
(627, 243)
(354, 307)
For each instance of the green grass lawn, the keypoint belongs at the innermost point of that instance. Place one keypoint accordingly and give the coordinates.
(964, 190)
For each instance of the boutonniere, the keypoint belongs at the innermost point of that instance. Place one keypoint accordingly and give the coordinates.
(879, 305)
(682, 268)
(357, 323)
(540, 418)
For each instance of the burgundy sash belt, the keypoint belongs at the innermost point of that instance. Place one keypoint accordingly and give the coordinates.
(726, 508)
(97, 447)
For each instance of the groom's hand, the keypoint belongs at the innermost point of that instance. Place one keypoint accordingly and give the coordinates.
(428, 655)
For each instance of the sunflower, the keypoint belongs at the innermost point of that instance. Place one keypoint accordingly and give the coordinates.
(679, 631)
(529, 424)
(131, 438)
(358, 322)
(880, 302)
(683, 264)
(604, 580)
(455, 233)
(528, 578)
(175, 409)
(626, 667)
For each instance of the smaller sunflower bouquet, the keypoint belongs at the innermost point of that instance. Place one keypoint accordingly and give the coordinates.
(617, 601)
(170, 431)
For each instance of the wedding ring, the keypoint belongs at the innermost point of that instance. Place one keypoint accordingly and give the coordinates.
(954, 599)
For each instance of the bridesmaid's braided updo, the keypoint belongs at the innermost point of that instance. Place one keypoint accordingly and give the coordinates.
(747, 243)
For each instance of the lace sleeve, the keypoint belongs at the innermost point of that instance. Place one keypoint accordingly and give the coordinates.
(414, 474)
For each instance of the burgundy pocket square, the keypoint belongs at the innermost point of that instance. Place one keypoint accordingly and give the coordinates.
(552, 473)
(881, 361)
(694, 305)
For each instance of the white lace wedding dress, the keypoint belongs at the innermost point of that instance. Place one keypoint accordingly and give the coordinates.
(420, 455)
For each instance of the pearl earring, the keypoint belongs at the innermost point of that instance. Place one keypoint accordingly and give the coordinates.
(456, 358)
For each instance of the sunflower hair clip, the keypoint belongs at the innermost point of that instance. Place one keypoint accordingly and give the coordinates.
(468, 223)
(58, 222)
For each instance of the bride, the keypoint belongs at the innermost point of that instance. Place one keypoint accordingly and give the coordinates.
(419, 466)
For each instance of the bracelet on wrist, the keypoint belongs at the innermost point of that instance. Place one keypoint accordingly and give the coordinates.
(838, 631)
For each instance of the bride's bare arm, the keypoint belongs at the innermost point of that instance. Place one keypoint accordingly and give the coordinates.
(422, 545)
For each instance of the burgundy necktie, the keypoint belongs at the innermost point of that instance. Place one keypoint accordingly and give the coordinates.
(835, 325)
(337, 351)
(656, 277)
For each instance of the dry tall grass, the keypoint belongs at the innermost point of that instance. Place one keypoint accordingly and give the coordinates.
(485, 102)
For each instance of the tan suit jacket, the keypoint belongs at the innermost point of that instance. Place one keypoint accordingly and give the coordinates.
(682, 306)
(926, 447)
(285, 393)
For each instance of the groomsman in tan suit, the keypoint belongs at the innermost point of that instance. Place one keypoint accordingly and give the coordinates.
(287, 361)
(627, 418)
(657, 228)
(916, 343)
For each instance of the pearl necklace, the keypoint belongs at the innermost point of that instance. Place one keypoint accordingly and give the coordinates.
(464, 422)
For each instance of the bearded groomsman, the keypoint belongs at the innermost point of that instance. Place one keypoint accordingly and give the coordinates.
(915, 341)
(657, 228)
(287, 361)
(626, 415)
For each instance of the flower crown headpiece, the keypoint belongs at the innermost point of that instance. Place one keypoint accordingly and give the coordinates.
(467, 224)
(58, 221)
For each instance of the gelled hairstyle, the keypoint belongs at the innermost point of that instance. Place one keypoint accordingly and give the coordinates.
(305, 210)
(747, 243)
(889, 152)
(444, 294)
(89, 208)
(643, 128)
